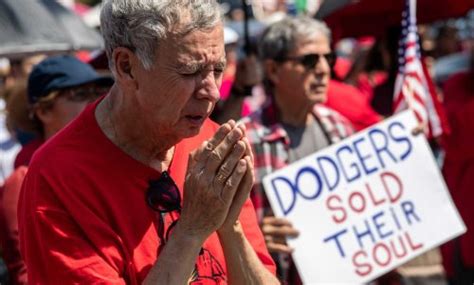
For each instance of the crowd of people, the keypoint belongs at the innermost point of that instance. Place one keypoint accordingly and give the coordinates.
(124, 178)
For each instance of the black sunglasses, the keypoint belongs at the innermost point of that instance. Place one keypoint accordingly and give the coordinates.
(163, 196)
(310, 60)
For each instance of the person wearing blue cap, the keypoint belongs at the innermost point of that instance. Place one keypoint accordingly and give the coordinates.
(59, 88)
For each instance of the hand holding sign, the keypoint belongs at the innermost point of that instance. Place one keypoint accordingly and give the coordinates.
(276, 231)
(365, 205)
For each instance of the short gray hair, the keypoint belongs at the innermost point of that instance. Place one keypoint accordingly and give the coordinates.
(280, 38)
(141, 25)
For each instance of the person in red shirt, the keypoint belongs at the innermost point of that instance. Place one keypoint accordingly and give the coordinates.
(59, 88)
(458, 171)
(142, 188)
(351, 103)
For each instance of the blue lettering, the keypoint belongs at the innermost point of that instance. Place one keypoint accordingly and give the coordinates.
(277, 190)
(335, 237)
(318, 179)
(360, 235)
(380, 148)
(379, 225)
(353, 165)
(402, 139)
(323, 170)
(363, 158)
(395, 219)
(409, 210)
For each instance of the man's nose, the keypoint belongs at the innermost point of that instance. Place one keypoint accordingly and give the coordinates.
(322, 66)
(209, 87)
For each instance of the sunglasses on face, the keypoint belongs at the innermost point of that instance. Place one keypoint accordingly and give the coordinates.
(85, 93)
(310, 60)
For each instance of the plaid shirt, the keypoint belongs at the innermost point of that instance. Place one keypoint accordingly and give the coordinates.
(270, 144)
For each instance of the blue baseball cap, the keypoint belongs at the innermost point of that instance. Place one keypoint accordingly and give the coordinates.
(60, 72)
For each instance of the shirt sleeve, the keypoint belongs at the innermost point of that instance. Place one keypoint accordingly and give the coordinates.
(55, 248)
(254, 235)
(459, 142)
(9, 238)
(459, 108)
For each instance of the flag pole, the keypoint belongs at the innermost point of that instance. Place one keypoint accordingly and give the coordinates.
(247, 47)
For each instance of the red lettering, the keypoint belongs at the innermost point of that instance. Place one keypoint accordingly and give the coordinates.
(402, 245)
(372, 197)
(376, 255)
(336, 206)
(411, 244)
(362, 269)
(353, 205)
(393, 196)
(382, 254)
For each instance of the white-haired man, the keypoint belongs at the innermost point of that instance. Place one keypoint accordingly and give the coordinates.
(152, 190)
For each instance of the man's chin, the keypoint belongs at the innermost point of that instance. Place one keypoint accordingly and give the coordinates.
(318, 98)
(192, 131)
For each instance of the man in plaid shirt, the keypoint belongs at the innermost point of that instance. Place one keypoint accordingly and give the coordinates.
(292, 124)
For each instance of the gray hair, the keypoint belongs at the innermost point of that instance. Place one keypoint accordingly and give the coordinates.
(280, 38)
(140, 25)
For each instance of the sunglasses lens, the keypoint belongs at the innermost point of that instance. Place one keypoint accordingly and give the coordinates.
(309, 61)
(163, 195)
(79, 95)
(330, 58)
(83, 94)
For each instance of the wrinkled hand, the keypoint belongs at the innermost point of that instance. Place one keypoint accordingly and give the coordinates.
(214, 174)
(244, 188)
(276, 230)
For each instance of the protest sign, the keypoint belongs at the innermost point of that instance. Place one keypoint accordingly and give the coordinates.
(365, 205)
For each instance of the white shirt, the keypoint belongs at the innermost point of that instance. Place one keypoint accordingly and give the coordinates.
(9, 147)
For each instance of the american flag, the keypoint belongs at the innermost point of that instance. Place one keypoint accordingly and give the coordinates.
(412, 86)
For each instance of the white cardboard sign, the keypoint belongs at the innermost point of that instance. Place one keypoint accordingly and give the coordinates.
(365, 205)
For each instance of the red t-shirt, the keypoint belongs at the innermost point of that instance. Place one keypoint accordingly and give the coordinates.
(9, 237)
(83, 216)
(458, 168)
(352, 104)
(24, 156)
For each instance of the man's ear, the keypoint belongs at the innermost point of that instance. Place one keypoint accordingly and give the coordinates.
(125, 65)
(44, 115)
(271, 68)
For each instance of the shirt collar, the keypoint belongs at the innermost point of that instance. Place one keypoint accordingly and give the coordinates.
(274, 129)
